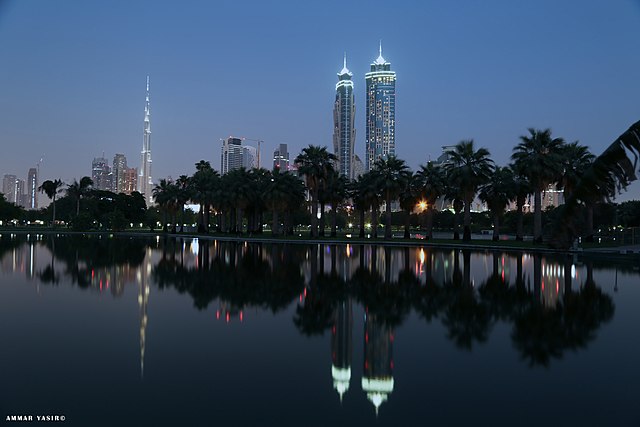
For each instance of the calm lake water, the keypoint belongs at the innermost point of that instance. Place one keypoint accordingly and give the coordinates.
(187, 332)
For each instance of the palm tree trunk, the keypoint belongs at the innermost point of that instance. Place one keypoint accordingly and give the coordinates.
(387, 226)
(407, 224)
(519, 218)
(589, 237)
(239, 218)
(374, 221)
(182, 218)
(314, 213)
(429, 223)
(275, 223)
(456, 225)
(467, 219)
(206, 217)
(361, 234)
(322, 206)
(78, 206)
(496, 227)
(288, 229)
(537, 217)
(334, 222)
(201, 218)
(53, 221)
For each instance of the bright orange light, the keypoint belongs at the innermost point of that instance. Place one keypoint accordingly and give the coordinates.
(422, 205)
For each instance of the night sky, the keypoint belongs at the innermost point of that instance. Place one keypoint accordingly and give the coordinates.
(72, 76)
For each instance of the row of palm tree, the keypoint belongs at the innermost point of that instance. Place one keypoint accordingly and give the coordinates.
(537, 162)
(235, 196)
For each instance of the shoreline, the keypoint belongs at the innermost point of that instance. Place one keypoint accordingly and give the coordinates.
(486, 245)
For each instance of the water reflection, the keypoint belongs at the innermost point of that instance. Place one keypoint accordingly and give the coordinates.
(552, 304)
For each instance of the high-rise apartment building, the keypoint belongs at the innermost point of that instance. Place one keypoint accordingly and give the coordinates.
(380, 137)
(9, 188)
(249, 157)
(145, 182)
(281, 158)
(130, 180)
(118, 173)
(32, 188)
(232, 155)
(101, 174)
(344, 132)
(21, 199)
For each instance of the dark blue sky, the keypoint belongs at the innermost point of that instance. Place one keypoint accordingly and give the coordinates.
(73, 74)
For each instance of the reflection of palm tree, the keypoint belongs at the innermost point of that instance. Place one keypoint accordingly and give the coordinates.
(466, 319)
(542, 333)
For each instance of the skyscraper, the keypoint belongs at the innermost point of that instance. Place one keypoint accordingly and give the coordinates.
(101, 174)
(9, 189)
(118, 173)
(344, 132)
(130, 180)
(32, 188)
(281, 158)
(380, 137)
(232, 155)
(145, 183)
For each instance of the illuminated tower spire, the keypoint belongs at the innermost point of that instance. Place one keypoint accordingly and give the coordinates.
(344, 133)
(145, 183)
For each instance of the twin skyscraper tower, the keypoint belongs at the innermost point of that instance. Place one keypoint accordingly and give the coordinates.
(380, 138)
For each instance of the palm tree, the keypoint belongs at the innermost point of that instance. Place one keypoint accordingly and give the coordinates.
(497, 193)
(610, 172)
(165, 194)
(183, 196)
(467, 169)
(433, 186)
(336, 193)
(358, 194)
(276, 196)
(51, 189)
(77, 190)
(391, 174)
(315, 163)
(539, 157)
(576, 159)
(205, 182)
(409, 195)
(521, 189)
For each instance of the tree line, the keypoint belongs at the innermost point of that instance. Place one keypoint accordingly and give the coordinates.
(242, 199)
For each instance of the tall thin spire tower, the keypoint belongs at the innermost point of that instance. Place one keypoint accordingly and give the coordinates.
(145, 183)
(344, 133)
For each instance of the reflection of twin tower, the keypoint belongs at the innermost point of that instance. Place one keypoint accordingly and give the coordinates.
(377, 379)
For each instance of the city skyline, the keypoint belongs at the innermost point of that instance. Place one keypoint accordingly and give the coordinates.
(486, 72)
